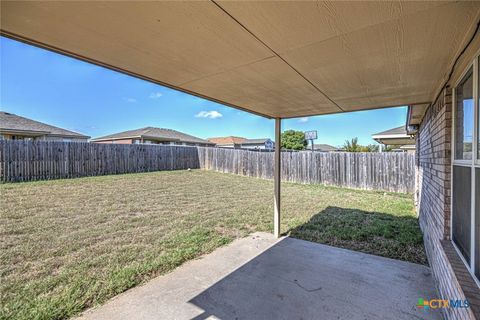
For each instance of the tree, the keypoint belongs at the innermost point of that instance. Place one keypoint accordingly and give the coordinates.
(293, 140)
(371, 148)
(387, 148)
(352, 145)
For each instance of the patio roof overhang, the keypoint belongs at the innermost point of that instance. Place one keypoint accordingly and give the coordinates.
(276, 59)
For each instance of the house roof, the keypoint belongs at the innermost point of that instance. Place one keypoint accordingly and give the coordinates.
(394, 136)
(325, 147)
(394, 131)
(227, 140)
(10, 122)
(255, 141)
(277, 59)
(408, 147)
(153, 133)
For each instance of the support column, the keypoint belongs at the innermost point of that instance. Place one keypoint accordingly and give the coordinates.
(276, 178)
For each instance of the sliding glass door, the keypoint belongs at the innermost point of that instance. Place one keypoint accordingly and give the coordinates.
(476, 209)
(466, 169)
(477, 222)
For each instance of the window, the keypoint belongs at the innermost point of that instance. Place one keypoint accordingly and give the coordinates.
(464, 118)
(462, 210)
(478, 115)
(465, 223)
(477, 224)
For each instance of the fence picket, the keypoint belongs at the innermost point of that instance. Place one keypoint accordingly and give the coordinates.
(41, 160)
(393, 172)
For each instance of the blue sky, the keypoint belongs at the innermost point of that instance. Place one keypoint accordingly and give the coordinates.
(75, 95)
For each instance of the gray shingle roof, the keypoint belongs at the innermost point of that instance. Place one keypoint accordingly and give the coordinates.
(12, 122)
(255, 141)
(154, 133)
(399, 130)
(222, 141)
(325, 147)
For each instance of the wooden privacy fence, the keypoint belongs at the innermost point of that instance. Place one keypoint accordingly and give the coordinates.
(42, 160)
(390, 171)
(22, 160)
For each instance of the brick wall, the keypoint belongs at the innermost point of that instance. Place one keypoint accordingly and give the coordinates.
(433, 161)
(121, 141)
(56, 138)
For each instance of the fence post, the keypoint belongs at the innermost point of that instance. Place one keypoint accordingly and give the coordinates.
(40, 160)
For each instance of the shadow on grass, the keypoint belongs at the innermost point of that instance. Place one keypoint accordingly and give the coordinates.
(396, 237)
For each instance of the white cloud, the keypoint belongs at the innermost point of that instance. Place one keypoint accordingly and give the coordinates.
(303, 120)
(209, 114)
(155, 95)
(131, 100)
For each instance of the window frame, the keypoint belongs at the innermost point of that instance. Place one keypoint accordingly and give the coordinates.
(476, 112)
(464, 162)
(473, 163)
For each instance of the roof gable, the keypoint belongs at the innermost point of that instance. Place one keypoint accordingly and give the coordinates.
(161, 134)
(325, 147)
(227, 140)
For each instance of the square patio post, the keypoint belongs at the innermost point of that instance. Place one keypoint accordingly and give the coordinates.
(277, 177)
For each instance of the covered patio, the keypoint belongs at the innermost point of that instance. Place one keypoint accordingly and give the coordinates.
(261, 277)
(277, 60)
(287, 60)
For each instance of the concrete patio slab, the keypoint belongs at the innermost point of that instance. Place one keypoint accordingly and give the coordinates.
(260, 277)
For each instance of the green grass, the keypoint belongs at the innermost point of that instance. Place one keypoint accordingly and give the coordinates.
(71, 244)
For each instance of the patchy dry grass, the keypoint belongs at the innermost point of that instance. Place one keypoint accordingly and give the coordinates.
(70, 244)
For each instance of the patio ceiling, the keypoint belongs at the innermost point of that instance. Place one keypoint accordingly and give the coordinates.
(277, 59)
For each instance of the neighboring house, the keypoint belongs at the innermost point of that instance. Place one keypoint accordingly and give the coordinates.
(228, 142)
(152, 135)
(258, 144)
(404, 148)
(243, 143)
(408, 148)
(325, 148)
(396, 137)
(13, 127)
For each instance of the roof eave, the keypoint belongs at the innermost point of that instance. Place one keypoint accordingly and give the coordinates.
(68, 135)
(391, 136)
(114, 138)
(20, 131)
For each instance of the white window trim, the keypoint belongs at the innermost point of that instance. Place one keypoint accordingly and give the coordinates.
(473, 163)
(462, 162)
(477, 281)
(476, 112)
(474, 158)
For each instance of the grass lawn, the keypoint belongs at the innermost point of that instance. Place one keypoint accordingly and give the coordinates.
(70, 244)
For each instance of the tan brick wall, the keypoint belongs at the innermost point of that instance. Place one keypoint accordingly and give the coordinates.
(433, 160)
(123, 141)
